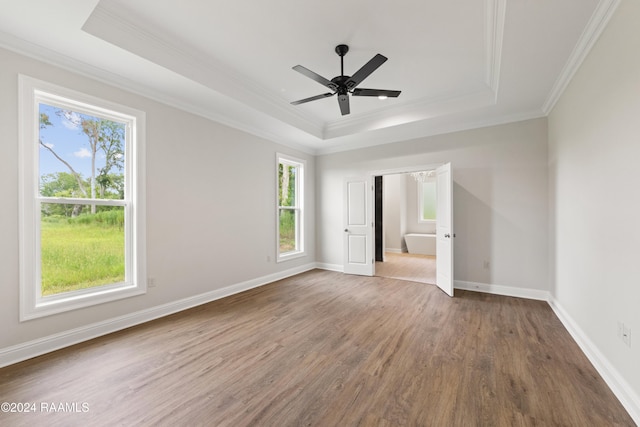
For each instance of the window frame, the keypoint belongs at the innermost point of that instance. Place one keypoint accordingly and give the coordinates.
(300, 164)
(32, 93)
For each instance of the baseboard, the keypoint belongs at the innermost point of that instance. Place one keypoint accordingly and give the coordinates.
(616, 382)
(393, 250)
(508, 291)
(473, 286)
(331, 267)
(30, 349)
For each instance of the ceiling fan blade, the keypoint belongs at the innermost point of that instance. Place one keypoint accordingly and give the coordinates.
(366, 69)
(315, 76)
(312, 98)
(343, 101)
(376, 92)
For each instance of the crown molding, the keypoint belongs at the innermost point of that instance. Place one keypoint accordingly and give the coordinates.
(596, 25)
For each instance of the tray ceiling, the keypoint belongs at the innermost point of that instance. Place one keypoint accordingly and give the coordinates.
(459, 64)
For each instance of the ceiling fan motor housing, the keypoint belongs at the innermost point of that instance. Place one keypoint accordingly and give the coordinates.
(341, 82)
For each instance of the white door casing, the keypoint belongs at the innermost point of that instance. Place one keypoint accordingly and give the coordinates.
(444, 229)
(358, 226)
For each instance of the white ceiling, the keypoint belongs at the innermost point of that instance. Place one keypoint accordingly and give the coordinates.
(459, 63)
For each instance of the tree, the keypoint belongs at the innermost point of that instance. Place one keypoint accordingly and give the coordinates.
(105, 137)
(60, 184)
(110, 142)
(44, 122)
(287, 179)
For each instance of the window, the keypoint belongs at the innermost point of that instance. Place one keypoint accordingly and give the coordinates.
(290, 173)
(82, 215)
(427, 200)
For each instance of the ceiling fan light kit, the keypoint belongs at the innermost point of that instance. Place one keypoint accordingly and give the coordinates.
(344, 85)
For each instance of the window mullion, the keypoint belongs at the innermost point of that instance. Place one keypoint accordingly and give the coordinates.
(78, 201)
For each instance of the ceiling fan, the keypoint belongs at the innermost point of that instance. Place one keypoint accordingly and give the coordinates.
(345, 85)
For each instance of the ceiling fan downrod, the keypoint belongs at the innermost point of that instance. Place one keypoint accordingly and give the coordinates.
(342, 50)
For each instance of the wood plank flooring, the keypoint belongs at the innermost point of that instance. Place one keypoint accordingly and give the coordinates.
(326, 349)
(404, 266)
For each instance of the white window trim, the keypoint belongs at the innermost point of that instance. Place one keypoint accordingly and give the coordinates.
(300, 251)
(420, 204)
(32, 303)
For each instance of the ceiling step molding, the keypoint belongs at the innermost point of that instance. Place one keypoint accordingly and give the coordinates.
(107, 22)
(596, 25)
(419, 110)
(426, 108)
(495, 13)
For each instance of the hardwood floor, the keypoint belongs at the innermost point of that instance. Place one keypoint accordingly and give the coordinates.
(404, 266)
(326, 349)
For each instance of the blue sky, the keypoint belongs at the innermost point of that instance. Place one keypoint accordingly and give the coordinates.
(65, 137)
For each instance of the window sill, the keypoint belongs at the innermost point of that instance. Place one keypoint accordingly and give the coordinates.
(76, 300)
(290, 255)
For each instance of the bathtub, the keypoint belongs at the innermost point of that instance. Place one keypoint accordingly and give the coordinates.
(424, 244)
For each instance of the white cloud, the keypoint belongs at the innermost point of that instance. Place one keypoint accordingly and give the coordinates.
(83, 152)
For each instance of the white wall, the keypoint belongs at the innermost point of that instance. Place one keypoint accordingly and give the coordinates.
(500, 198)
(210, 205)
(594, 190)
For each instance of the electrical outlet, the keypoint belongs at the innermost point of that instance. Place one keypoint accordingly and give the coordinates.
(624, 333)
(151, 282)
(268, 258)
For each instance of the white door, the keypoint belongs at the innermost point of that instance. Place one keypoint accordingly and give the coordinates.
(358, 227)
(444, 229)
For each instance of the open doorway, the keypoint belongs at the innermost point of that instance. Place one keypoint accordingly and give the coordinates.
(405, 227)
(359, 223)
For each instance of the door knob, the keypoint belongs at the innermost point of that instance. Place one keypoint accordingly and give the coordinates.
(346, 230)
(447, 235)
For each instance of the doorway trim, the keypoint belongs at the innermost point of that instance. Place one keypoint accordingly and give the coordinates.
(396, 171)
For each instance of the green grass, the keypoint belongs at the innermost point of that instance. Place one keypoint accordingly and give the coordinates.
(287, 231)
(79, 253)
